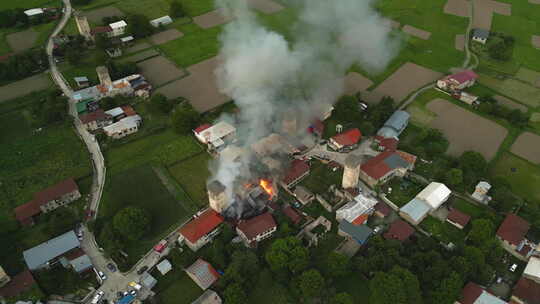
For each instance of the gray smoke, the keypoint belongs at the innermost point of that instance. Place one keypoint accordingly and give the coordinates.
(270, 77)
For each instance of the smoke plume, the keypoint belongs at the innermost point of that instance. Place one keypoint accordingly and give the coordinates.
(270, 77)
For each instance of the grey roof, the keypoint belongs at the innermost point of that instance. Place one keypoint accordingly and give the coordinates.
(148, 281)
(208, 297)
(416, 209)
(358, 232)
(481, 33)
(44, 252)
(81, 79)
(487, 298)
(87, 93)
(395, 161)
(164, 266)
(216, 187)
(81, 263)
(394, 125)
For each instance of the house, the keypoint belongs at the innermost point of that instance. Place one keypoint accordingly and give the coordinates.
(303, 195)
(256, 228)
(316, 128)
(126, 40)
(512, 232)
(46, 254)
(208, 297)
(532, 270)
(82, 82)
(117, 29)
(414, 211)
(399, 230)
(161, 21)
(435, 194)
(466, 98)
(81, 263)
(202, 229)
(124, 127)
(116, 113)
(480, 192)
(358, 210)
(526, 292)
(393, 127)
(202, 273)
(458, 218)
(382, 210)
(346, 140)
(20, 283)
(133, 85)
(4, 278)
(34, 12)
(474, 294)
(358, 233)
(458, 81)
(292, 214)
(164, 266)
(96, 120)
(297, 170)
(148, 281)
(384, 166)
(480, 35)
(106, 30)
(215, 136)
(47, 200)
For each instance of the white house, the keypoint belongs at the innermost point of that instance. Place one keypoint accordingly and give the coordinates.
(161, 21)
(435, 194)
(33, 12)
(123, 127)
(357, 211)
(480, 192)
(118, 28)
(201, 230)
(214, 136)
(532, 271)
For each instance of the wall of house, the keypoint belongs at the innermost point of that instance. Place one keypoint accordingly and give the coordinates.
(61, 201)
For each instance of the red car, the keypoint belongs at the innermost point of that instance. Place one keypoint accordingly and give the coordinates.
(160, 246)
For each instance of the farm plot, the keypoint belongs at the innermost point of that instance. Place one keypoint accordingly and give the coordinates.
(159, 70)
(515, 89)
(523, 176)
(408, 78)
(192, 174)
(355, 82)
(459, 43)
(484, 10)
(24, 87)
(211, 19)
(510, 103)
(265, 6)
(21, 41)
(527, 145)
(535, 40)
(534, 1)
(200, 87)
(141, 56)
(458, 8)
(4, 5)
(529, 76)
(416, 32)
(166, 36)
(96, 15)
(138, 47)
(466, 130)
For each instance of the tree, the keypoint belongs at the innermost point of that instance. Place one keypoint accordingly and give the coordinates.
(184, 118)
(160, 101)
(449, 289)
(398, 286)
(287, 255)
(139, 25)
(59, 221)
(132, 222)
(73, 56)
(337, 265)
(342, 298)
(473, 165)
(243, 266)
(454, 177)
(234, 294)
(176, 10)
(482, 230)
(311, 283)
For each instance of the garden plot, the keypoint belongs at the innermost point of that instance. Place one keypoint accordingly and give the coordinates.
(518, 90)
(510, 103)
(535, 40)
(97, 15)
(200, 87)
(416, 32)
(458, 8)
(21, 41)
(166, 36)
(483, 12)
(141, 56)
(529, 76)
(372, 97)
(24, 87)
(408, 78)
(211, 19)
(138, 47)
(459, 43)
(355, 82)
(265, 6)
(527, 145)
(534, 1)
(466, 130)
(159, 70)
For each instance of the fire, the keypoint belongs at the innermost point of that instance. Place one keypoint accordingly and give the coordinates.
(267, 186)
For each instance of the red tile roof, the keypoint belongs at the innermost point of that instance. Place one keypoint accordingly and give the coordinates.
(458, 217)
(376, 167)
(383, 208)
(256, 225)
(98, 114)
(56, 191)
(202, 128)
(292, 214)
(202, 225)
(470, 293)
(399, 230)
(100, 29)
(527, 290)
(388, 143)
(408, 157)
(18, 284)
(128, 110)
(464, 76)
(525, 250)
(361, 219)
(298, 168)
(25, 212)
(513, 229)
(348, 138)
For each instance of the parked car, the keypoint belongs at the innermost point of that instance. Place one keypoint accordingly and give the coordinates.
(160, 246)
(111, 267)
(102, 276)
(362, 106)
(142, 270)
(377, 229)
(513, 267)
(133, 292)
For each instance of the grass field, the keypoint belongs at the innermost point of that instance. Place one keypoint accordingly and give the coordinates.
(321, 177)
(403, 191)
(468, 208)
(444, 232)
(27, 4)
(523, 176)
(192, 175)
(177, 288)
(153, 8)
(522, 92)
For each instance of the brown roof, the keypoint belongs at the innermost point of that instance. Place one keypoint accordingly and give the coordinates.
(513, 229)
(470, 293)
(399, 230)
(458, 217)
(128, 110)
(98, 114)
(256, 225)
(18, 284)
(292, 214)
(203, 224)
(297, 169)
(527, 290)
(100, 29)
(55, 191)
(25, 212)
(383, 208)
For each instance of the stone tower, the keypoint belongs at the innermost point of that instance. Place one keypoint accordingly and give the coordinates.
(217, 197)
(351, 171)
(104, 77)
(83, 26)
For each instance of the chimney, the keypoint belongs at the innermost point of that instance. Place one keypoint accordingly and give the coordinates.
(104, 77)
(351, 171)
(217, 197)
(83, 26)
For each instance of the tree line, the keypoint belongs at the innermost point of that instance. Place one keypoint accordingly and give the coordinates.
(23, 65)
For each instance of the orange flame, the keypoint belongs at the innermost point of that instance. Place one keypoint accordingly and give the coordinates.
(267, 186)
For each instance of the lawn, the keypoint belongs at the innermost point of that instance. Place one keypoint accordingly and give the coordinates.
(152, 8)
(444, 232)
(321, 177)
(14, 125)
(192, 174)
(523, 176)
(522, 92)
(403, 191)
(468, 208)
(177, 288)
(27, 4)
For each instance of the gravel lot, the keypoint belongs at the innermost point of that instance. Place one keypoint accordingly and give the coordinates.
(484, 9)
(211, 19)
(159, 70)
(457, 7)
(527, 145)
(459, 43)
(21, 41)
(355, 82)
(166, 36)
(408, 78)
(98, 14)
(466, 130)
(510, 103)
(25, 86)
(416, 32)
(265, 6)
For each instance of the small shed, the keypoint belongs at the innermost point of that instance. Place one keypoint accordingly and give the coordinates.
(33, 12)
(161, 21)
(164, 266)
(480, 35)
(148, 281)
(82, 81)
(126, 39)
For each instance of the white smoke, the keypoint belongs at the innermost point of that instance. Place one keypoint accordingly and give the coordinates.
(268, 76)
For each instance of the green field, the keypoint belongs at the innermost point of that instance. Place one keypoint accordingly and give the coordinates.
(444, 232)
(177, 288)
(321, 177)
(524, 179)
(468, 208)
(192, 174)
(27, 4)
(153, 8)
(521, 91)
